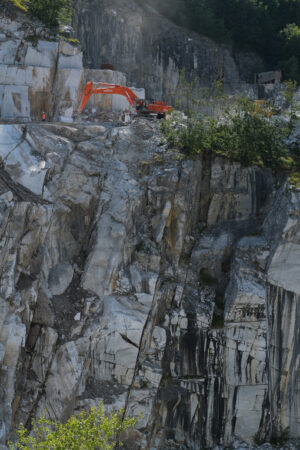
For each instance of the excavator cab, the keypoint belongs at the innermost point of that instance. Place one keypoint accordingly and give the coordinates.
(145, 107)
(142, 105)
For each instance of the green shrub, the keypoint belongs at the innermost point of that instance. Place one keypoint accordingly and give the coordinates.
(52, 12)
(255, 139)
(84, 432)
(21, 4)
(73, 41)
(243, 134)
(289, 94)
(295, 180)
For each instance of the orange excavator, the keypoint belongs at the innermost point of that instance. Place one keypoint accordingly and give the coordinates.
(141, 106)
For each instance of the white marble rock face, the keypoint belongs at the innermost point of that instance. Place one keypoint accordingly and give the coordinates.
(37, 78)
(113, 293)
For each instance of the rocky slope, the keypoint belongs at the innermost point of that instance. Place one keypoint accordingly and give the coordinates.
(165, 286)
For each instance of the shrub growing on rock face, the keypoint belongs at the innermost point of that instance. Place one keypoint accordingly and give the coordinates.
(83, 432)
(254, 139)
(51, 12)
(243, 134)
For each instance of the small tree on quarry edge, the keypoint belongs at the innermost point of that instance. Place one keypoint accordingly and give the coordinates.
(87, 431)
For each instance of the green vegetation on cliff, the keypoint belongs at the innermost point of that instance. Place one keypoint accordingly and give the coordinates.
(242, 130)
(269, 27)
(21, 4)
(51, 12)
(241, 135)
(82, 432)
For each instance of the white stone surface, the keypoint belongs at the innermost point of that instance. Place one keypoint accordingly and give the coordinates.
(43, 55)
(70, 62)
(249, 404)
(38, 78)
(67, 88)
(68, 49)
(77, 317)
(66, 369)
(8, 51)
(20, 163)
(60, 278)
(27, 84)
(14, 102)
(284, 270)
(43, 352)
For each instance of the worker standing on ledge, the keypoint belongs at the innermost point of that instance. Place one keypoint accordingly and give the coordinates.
(44, 117)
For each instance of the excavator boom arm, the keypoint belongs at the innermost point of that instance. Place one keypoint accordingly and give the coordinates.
(104, 88)
(141, 106)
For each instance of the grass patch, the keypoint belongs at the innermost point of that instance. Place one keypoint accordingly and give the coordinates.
(288, 162)
(157, 158)
(295, 180)
(72, 41)
(146, 163)
(20, 4)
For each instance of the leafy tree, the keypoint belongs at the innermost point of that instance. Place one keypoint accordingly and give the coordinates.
(291, 32)
(254, 139)
(83, 432)
(243, 133)
(291, 49)
(290, 68)
(51, 12)
(289, 94)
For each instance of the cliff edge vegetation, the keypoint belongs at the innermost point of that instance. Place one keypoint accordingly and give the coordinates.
(51, 12)
(250, 132)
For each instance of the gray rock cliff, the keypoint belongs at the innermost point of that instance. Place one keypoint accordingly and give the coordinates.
(165, 286)
(132, 275)
(152, 51)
